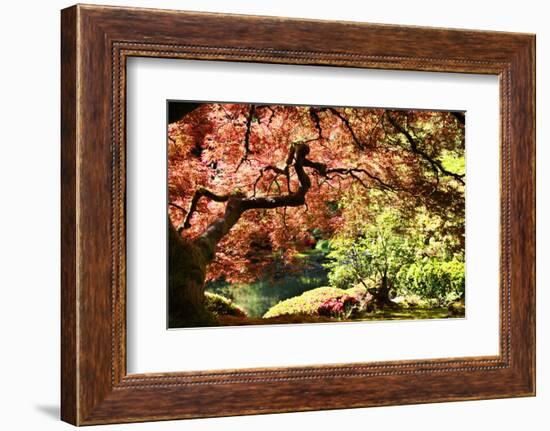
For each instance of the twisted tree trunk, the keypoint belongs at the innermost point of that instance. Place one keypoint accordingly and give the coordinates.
(188, 259)
(186, 276)
(188, 262)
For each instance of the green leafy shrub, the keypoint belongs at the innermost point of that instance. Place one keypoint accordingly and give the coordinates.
(221, 306)
(374, 256)
(412, 301)
(323, 245)
(443, 281)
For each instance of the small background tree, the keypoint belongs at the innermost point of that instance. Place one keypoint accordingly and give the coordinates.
(374, 257)
(398, 255)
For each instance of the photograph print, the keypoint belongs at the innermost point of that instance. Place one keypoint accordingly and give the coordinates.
(285, 214)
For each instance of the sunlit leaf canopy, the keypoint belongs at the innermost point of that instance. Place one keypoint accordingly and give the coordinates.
(359, 160)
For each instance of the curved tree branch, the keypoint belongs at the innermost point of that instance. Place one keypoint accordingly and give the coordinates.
(297, 153)
(358, 143)
(437, 166)
(178, 207)
(247, 136)
(354, 171)
(238, 204)
(199, 193)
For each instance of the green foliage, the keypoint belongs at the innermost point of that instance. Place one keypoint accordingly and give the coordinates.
(323, 245)
(412, 253)
(221, 306)
(453, 163)
(377, 253)
(413, 300)
(443, 281)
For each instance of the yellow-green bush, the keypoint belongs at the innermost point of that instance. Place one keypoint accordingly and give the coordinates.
(431, 279)
(308, 302)
(219, 305)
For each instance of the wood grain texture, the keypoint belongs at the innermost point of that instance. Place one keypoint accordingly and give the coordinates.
(69, 397)
(96, 41)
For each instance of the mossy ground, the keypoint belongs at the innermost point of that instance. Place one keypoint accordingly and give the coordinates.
(302, 309)
(397, 313)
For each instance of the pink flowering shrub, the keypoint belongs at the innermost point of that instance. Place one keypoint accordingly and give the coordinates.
(325, 301)
(341, 306)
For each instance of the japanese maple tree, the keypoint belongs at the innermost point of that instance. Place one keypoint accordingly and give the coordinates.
(250, 182)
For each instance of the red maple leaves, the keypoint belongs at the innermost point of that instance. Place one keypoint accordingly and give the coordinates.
(243, 150)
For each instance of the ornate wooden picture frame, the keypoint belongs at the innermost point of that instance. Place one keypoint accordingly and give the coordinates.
(96, 41)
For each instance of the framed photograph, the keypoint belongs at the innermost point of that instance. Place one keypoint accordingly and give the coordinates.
(259, 216)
